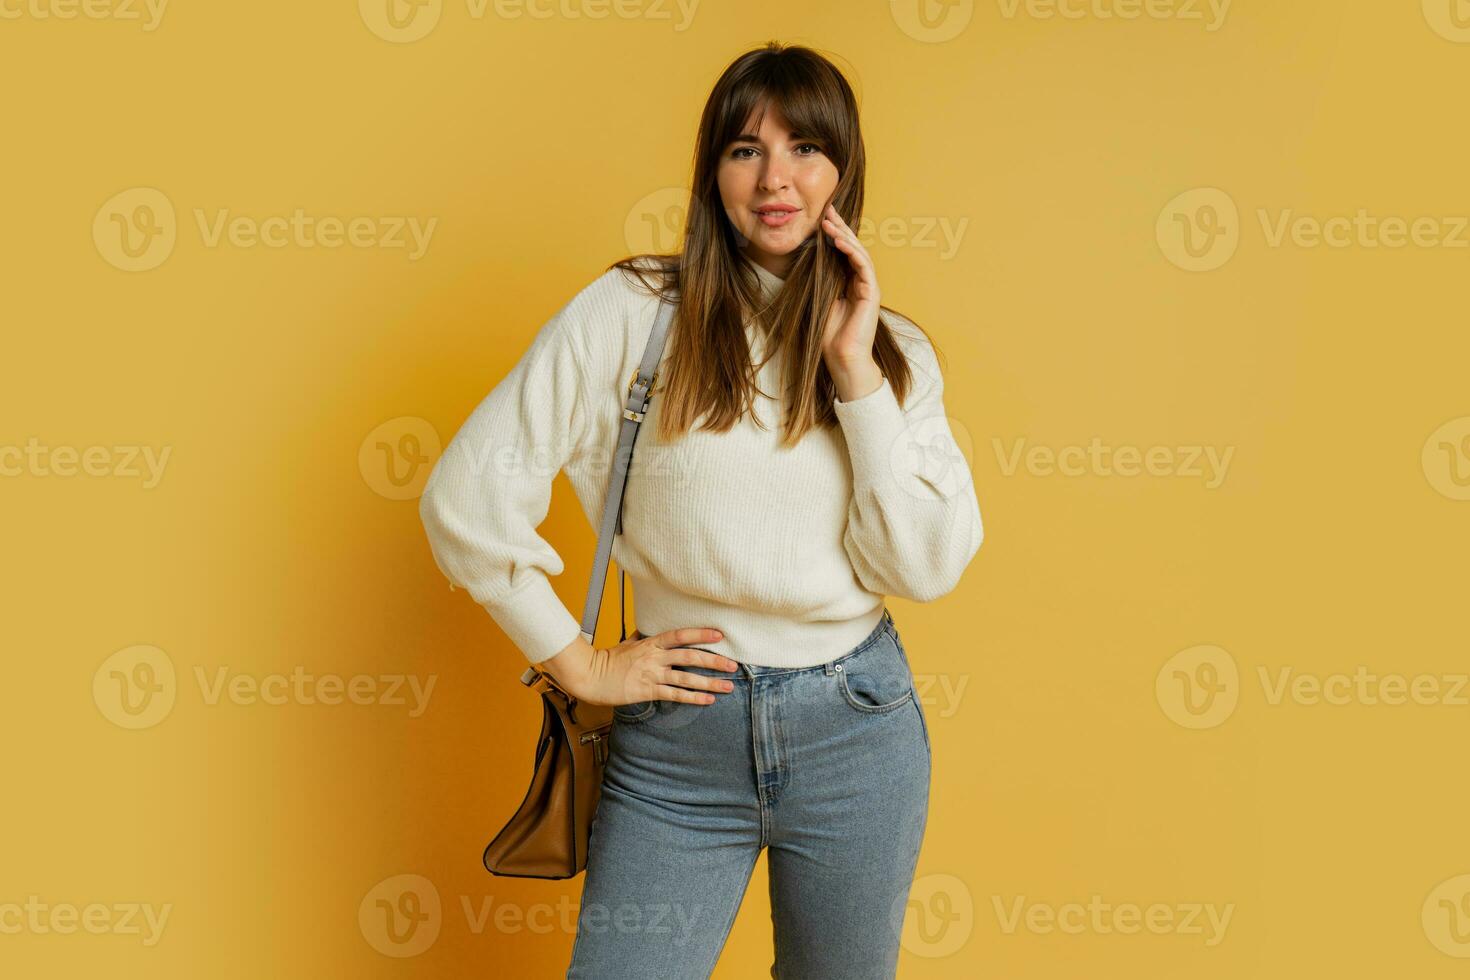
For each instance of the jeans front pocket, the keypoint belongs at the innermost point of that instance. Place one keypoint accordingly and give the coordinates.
(877, 679)
(924, 727)
(631, 714)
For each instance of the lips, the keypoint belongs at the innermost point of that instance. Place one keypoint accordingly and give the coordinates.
(776, 209)
(775, 218)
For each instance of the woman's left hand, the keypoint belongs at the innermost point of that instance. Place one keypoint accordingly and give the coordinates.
(847, 341)
(852, 324)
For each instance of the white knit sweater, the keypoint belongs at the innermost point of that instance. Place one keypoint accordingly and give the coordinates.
(788, 551)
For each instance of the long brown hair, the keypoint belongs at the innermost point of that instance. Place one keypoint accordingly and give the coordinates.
(709, 369)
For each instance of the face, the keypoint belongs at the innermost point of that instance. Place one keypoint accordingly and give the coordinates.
(774, 186)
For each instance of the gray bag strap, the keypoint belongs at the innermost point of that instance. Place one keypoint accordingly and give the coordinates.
(639, 390)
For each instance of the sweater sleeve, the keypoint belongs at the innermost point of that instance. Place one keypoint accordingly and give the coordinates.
(914, 521)
(491, 488)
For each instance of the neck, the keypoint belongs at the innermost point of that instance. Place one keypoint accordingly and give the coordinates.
(776, 265)
(770, 282)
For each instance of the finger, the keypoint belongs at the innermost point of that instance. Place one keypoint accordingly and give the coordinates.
(698, 682)
(664, 692)
(699, 658)
(841, 232)
(848, 242)
(861, 261)
(837, 220)
(845, 245)
(852, 239)
(839, 239)
(669, 639)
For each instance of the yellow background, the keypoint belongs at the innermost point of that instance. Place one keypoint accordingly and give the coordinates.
(546, 147)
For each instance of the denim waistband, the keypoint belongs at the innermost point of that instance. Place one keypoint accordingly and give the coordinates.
(752, 671)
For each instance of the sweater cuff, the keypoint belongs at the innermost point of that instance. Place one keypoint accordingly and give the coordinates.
(536, 620)
(872, 425)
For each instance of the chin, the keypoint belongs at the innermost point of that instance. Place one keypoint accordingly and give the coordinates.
(782, 245)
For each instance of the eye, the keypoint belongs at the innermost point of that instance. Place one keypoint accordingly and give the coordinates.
(735, 154)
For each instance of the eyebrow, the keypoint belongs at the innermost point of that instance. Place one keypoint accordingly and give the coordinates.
(752, 138)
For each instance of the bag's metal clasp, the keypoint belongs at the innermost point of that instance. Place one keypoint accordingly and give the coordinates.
(628, 413)
(633, 381)
(532, 675)
(599, 740)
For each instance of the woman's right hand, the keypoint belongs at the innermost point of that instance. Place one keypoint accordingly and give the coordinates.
(643, 668)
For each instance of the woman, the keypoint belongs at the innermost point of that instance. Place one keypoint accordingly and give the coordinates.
(793, 723)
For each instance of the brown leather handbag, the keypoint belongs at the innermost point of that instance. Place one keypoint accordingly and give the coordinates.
(547, 837)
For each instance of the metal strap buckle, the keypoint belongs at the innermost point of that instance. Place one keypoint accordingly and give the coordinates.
(634, 380)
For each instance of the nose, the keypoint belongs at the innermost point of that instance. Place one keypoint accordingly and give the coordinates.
(773, 176)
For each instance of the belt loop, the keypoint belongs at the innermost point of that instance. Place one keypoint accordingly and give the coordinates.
(827, 668)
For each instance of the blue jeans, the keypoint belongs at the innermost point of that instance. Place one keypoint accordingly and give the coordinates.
(828, 766)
